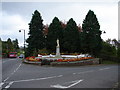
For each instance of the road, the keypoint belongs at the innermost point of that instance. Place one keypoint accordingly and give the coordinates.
(16, 74)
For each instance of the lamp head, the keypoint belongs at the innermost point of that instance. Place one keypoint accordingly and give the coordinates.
(19, 30)
(104, 32)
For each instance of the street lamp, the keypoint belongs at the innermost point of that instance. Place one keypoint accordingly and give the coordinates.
(103, 31)
(24, 41)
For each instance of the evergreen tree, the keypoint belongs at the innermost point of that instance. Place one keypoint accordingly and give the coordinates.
(54, 33)
(9, 45)
(15, 44)
(71, 37)
(91, 35)
(36, 40)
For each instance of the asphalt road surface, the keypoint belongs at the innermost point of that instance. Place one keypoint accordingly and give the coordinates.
(16, 74)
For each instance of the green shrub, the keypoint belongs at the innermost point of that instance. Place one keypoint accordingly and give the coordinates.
(109, 58)
(44, 51)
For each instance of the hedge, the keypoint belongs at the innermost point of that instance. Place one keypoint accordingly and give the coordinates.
(109, 58)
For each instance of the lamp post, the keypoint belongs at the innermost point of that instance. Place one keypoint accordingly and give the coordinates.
(24, 41)
(103, 31)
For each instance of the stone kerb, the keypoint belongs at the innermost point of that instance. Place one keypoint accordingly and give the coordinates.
(82, 62)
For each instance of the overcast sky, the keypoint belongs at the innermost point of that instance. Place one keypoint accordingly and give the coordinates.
(17, 15)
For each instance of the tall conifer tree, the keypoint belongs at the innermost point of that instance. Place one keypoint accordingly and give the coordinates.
(36, 38)
(91, 35)
(54, 33)
(71, 37)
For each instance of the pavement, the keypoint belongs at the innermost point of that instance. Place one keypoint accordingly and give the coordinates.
(16, 74)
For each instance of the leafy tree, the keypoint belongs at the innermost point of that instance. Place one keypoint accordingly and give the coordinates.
(91, 35)
(54, 33)
(109, 41)
(108, 49)
(36, 40)
(71, 37)
(118, 52)
(9, 45)
(115, 43)
(4, 49)
(15, 44)
(118, 49)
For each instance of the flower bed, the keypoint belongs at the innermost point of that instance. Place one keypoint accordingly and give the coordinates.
(73, 59)
(32, 58)
(93, 61)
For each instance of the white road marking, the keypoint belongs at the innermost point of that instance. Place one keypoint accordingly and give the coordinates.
(63, 87)
(83, 72)
(17, 68)
(76, 82)
(1, 84)
(60, 76)
(37, 79)
(8, 86)
(86, 72)
(104, 68)
(12, 72)
(74, 73)
(10, 83)
(58, 86)
(6, 79)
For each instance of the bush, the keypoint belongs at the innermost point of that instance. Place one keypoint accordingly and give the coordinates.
(45, 62)
(118, 52)
(43, 52)
(110, 58)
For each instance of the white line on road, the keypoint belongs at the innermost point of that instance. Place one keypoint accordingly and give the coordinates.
(104, 68)
(6, 79)
(74, 83)
(37, 79)
(86, 72)
(12, 72)
(60, 76)
(63, 87)
(10, 83)
(17, 68)
(8, 86)
(1, 84)
(74, 73)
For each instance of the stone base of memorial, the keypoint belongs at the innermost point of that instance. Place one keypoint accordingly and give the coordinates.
(94, 61)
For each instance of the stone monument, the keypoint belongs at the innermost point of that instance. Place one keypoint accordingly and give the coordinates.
(58, 50)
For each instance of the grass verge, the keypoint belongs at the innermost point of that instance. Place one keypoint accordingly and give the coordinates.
(109, 62)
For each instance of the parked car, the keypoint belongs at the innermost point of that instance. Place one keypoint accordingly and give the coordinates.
(21, 56)
(12, 54)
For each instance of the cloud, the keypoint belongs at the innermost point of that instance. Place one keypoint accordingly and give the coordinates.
(11, 24)
(107, 14)
(16, 16)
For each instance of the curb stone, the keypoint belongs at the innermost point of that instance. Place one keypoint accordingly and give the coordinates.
(31, 62)
(116, 86)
